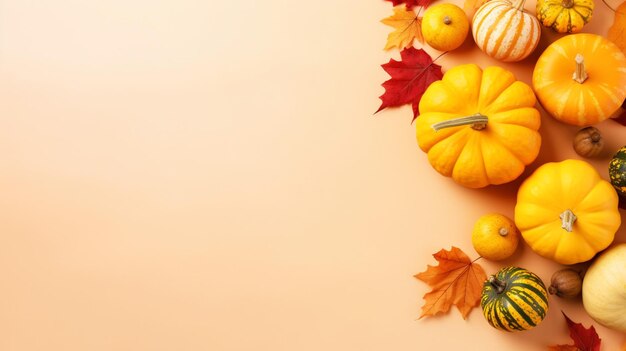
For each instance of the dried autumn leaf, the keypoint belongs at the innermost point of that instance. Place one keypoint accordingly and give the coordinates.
(470, 6)
(408, 27)
(409, 79)
(411, 3)
(563, 348)
(617, 32)
(455, 281)
(585, 339)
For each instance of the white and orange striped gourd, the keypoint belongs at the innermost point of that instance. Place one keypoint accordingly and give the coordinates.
(504, 31)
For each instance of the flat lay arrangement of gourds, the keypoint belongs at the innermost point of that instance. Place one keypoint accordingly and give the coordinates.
(480, 127)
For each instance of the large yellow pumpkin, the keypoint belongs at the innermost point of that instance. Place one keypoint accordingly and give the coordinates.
(504, 31)
(580, 79)
(479, 127)
(566, 212)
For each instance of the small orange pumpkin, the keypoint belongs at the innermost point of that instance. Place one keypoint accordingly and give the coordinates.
(479, 127)
(580, 79)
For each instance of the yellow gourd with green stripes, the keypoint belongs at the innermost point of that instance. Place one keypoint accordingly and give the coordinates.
(564, 16)
(514, 299)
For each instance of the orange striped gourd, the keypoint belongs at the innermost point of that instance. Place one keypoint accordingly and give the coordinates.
(580, 79)
(504, 31)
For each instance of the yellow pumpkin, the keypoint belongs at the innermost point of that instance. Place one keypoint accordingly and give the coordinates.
(504, 31)
(566, 212)
(580, 79)
(444, 26)
(564, 16)
(479, 127)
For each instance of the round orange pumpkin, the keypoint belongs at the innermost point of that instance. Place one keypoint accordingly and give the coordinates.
(580, 79)
(504, 31)
(479, 127)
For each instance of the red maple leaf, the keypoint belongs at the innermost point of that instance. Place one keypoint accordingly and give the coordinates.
(409, 79)
(584, 339)
(411, 3)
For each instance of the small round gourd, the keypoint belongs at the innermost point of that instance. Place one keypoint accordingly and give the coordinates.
(514, 299)
(565, 16)
(566, 212)
(479, 127)
(504, 31)
(588, 142)
(445, 26)
(580, 79)
(617, 171)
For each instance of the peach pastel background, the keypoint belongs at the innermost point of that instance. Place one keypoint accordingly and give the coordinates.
(193, 175)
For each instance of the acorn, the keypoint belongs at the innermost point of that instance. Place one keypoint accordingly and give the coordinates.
(566, 283)
(588, 142)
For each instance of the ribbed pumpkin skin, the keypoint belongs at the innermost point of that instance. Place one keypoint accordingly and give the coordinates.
(521, 306)
(477, 158)
(592, 101)
(553, 189)
(617, 171)
(554, 14)
(504, 32)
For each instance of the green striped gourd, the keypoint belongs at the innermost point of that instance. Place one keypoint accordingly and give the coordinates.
(564, 16)
(514, 299)
(617, 171)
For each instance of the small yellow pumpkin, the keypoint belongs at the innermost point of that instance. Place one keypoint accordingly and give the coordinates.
(504, 31)
(564, 16)
(445, 26)
(580, 79)
(479, 127)
(566, 212)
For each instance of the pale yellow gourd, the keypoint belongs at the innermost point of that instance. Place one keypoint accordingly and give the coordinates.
(604, 289)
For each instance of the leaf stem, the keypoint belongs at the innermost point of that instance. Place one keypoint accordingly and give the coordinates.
(609, 6)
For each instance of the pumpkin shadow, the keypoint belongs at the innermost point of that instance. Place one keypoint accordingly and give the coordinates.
(549, 152)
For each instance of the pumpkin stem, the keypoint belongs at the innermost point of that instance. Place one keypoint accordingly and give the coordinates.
(568, 218)
(580, 75)
(477, 121)
(596, 137)
(497, 284)
(568, 4)
(447, 20)
(519, 5)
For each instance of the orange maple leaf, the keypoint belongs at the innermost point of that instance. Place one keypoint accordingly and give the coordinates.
(617, 32)
(408, 27)
(455, 281)
(470, 6)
